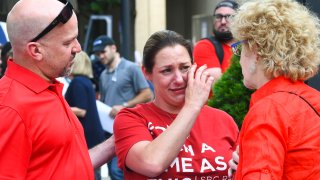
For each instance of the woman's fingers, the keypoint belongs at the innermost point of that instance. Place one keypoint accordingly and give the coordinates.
(199, 72)
(199, 85)
(191, 72)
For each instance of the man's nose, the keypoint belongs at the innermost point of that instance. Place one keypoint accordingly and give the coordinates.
(77, 46)
(224, 20)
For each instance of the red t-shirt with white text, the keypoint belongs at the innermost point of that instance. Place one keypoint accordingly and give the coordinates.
(205, 153)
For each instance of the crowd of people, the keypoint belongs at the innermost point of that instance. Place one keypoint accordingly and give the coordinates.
(168, 132)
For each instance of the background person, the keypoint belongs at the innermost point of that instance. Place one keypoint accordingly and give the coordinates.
(122, 84)
(1, 60)
(81, 97)
(206, 52)
(279, 137)
(40, 136)
(6, 53)
(177, 135)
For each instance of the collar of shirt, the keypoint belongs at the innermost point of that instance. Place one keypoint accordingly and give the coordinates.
(31, 80)
(119, 65)
(277, 84)
(109, 70)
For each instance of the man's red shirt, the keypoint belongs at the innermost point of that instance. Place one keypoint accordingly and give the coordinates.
(40, 137)
(204, 53)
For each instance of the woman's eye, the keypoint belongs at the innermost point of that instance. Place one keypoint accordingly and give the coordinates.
(166, 71)
(185, 68)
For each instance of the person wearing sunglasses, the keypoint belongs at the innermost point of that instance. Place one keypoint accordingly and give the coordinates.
(215, 50)
(279, 49)
(40, 136)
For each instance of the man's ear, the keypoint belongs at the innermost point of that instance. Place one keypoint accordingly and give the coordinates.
(113, 47)
(147, 75)
(35, 50)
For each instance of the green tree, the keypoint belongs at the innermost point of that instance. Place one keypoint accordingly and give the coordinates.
(230, 94)
(97, 6)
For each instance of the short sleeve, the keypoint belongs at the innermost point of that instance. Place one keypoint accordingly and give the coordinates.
(129, 128)
(204, 53)
(15, 145)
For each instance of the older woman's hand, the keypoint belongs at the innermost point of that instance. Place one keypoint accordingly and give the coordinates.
(233, 163)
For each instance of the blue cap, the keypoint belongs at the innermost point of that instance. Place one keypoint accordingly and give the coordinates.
(101, 42)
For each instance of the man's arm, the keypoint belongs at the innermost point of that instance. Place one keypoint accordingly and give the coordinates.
(143, 96)
(215, 72)
(204, 53)
(102, 153)
(15, 145)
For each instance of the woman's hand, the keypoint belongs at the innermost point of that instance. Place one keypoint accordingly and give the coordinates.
(199, 86)
(79, 112)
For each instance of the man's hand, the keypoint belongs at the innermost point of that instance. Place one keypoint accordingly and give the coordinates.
(233, 163)
(115, 110)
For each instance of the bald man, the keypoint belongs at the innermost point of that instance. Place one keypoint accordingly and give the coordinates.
(40, 137)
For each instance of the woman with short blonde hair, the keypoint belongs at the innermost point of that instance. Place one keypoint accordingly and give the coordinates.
(286, 36)
(81, 97)
(279, 48)
(82, 65)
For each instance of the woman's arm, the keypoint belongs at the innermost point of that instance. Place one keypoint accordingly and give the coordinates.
(79, 112)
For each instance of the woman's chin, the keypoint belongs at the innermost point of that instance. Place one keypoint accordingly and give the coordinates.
(248, 85)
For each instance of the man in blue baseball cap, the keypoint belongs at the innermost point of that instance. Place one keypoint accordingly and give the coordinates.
(98, 46)
(101, 42)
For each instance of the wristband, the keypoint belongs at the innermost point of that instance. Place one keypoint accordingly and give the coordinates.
(125, 104)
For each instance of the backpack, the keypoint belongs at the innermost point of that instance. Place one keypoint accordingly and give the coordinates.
(218, 47)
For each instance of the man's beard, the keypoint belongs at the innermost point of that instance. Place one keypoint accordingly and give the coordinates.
(66, 71)
(110, 61)
(222, 36)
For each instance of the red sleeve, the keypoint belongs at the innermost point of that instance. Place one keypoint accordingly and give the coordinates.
(205, 53)
(15, 146)
(227, 55)
(263, 142)
(129, 128)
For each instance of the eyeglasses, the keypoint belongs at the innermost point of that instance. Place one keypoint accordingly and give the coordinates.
(219, 17)
(63, 17)
(236, 47)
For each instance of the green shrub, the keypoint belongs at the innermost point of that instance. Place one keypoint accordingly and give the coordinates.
(230, 94)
